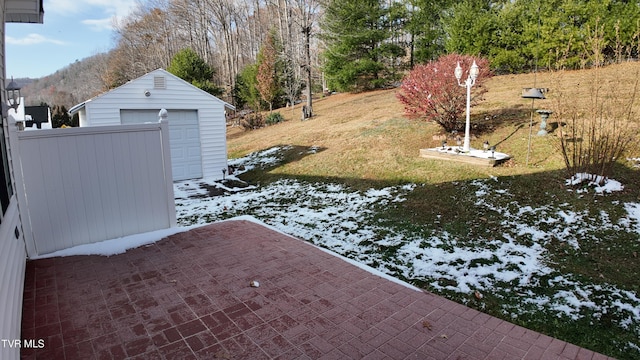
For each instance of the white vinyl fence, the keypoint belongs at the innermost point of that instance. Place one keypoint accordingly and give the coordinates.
(84, 185)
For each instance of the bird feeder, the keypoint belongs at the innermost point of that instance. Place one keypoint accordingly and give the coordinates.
(532, 93)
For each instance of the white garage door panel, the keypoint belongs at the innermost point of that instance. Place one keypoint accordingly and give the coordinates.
(177, 152)
(192, 152)
(184, 139)
(193, 133)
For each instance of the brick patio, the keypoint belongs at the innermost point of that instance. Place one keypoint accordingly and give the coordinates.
(189, 297)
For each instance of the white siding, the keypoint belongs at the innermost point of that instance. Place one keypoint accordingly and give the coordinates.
(177, 94)
(84, 185)
(12, 267)
(12, 251)
(2, 56)
(82, 118)
(213, 140)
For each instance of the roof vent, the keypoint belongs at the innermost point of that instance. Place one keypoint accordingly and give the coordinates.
(159, 82)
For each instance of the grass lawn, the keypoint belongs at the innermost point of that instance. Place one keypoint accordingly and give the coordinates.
(513, 241)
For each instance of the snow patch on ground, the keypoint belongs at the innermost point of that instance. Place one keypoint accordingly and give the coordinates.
(599, 183)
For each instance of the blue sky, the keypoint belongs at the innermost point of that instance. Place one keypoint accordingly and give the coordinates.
(72, 30)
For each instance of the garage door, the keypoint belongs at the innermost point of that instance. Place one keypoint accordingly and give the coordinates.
(184, 139)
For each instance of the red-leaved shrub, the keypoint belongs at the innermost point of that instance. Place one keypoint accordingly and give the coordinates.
(431, 91)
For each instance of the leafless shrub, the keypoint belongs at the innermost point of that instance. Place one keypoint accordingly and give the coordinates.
(597, 123)
(252, 121)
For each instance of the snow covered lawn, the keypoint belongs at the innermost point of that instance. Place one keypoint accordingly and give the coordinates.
(511, 264)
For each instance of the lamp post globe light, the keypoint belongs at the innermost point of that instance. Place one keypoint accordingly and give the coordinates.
(468, 83)
(13, 95)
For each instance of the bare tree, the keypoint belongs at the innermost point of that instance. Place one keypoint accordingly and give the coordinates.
(282, 10)
(227, 34)
(190, 20)
(308, 11)
(144, 43)
(296, 25)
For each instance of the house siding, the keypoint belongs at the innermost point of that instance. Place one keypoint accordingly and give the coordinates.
(12, 247)
(12, 272)
(213, 143)
(177, 94)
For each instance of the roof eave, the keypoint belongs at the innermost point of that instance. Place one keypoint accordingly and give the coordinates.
(78, 107)
(24, 11)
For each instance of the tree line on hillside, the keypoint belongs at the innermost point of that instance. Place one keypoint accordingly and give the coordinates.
(68, 86)
(369, 44)
(357, 45)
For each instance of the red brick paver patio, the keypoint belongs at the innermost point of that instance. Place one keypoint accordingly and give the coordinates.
(189, 297)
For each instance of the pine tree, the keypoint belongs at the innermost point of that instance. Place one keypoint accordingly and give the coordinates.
(356, 33)
(60, 117)
(424, 27)
(190, 67)
(246, 89)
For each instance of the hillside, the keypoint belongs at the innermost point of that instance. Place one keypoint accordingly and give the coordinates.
(365, 136)
(68, 86)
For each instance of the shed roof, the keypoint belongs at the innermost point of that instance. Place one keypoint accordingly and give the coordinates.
(81, 105)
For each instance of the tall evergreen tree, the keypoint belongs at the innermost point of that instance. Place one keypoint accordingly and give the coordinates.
(246, 90)
(358, 49)
(469, 27)
(424, 27)
(190, 67)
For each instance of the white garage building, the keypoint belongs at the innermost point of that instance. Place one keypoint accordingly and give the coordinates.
(197, 126)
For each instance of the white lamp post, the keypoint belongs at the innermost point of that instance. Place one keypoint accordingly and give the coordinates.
(468, 83)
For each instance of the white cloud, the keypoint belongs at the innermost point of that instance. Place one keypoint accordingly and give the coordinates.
(98, 14)
(118, 8)
(62, 6)
(100, 24)
(33, 39)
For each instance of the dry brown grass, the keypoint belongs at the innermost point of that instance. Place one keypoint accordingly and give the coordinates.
(365, 136)
(504, 91)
